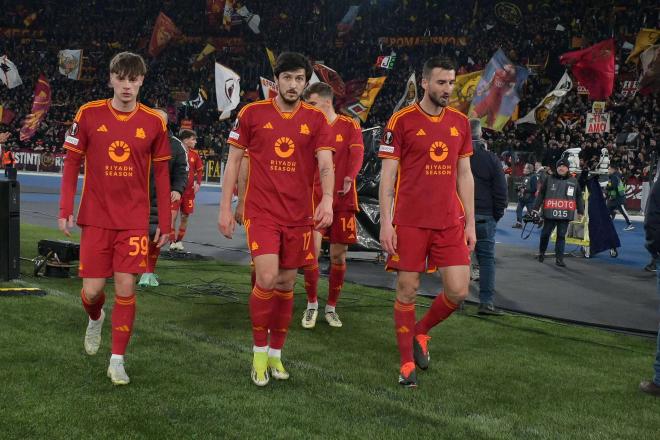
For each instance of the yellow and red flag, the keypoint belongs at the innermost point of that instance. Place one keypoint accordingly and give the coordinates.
(40, 106)
(164, 32)
(645, 39)
(463, 93)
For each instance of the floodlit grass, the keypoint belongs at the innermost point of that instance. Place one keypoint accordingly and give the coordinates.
(189, 361)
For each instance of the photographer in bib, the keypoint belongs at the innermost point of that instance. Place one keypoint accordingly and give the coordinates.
(558, 199)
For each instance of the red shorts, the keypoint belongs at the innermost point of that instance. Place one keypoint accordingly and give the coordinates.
(420, 249)
(186, 204)
(342, 230)
(106, 251)
(293, 244)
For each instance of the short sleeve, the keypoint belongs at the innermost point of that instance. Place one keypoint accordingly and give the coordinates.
(356, 135)
(76, 136)
(392, 141)
(239, 136)
(160, 147)
(324, 140)
(466, 148)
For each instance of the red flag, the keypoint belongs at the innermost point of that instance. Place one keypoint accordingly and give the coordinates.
(331, 77)
(593, 67)
(6, 115)
(40, 107)
(164, 32)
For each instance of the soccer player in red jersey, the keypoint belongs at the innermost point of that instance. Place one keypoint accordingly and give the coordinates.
(501, 84)
(349, 152)
(425, 150)
(118, 140)
(187, 202)
(286, 140)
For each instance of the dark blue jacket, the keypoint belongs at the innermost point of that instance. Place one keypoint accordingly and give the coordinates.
(490, 192)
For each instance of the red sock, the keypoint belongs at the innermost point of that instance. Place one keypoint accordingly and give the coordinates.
(336, 282)
(281, 318)
(404, 323)
(181, 234)
(154, 252)
(440, 310)
(172, 237)
(93, 309)
(261, 307)
(312, 283)
(123, 316)
(253, 277)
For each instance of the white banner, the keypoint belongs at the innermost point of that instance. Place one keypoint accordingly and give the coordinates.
(409, 96)
(252, 20)
(268, 88)
(9, 73)
(227, 88)
(598, 123)
(69, 63)
(540, 113)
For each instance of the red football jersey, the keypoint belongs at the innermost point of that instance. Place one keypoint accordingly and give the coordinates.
(282, 150)
(195, 170)
(427, 148)
(345, 134)
(118, 149)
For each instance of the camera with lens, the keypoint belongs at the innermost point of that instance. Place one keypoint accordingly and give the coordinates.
(532, 217)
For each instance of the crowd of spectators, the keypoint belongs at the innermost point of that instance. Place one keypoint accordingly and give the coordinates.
(527, 35)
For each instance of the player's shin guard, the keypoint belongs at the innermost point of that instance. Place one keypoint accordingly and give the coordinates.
(404, 324)
(93, 309)
(312, 283)
(261, 309)
(336, 282)
(440, 310)
(281, 318)
(123, 316)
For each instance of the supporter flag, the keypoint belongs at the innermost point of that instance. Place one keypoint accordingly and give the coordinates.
(593, 67)
(208, 50)
(645, 39)
(331, 77)
(271, 58)
(409, 95)
(629, 88)
(227, 89)
(9, 74)
(539, 114)
(214, 11)
(386, 62)
(361, 108)
(268, 88)
(69, 63)
(649, 82)
(164, 32)
(352, 91)
(6, 115)
(252, 20)
(498, 92)
(198, 101)
(40, 106)
(227, 13)
(346, 23)
(463, 92)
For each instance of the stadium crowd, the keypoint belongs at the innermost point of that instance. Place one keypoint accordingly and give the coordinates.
(527, 33)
